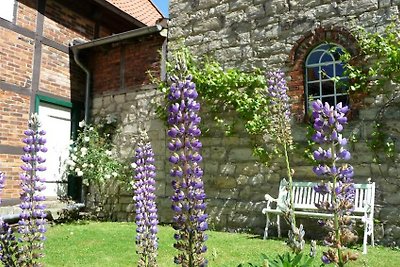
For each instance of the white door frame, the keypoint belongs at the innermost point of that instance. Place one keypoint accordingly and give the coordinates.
(64, 106)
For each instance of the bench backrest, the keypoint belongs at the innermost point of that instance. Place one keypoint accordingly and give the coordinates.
(305, 196)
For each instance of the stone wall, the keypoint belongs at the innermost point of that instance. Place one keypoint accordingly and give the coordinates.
(135, 111)
(270, 35)
(262, 34)
(235, 183)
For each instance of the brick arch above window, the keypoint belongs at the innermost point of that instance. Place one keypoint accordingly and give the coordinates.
(298, 55)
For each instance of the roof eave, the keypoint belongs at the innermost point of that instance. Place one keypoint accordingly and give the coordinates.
(119, 37)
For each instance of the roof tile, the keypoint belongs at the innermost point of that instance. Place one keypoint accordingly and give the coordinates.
(143, 10)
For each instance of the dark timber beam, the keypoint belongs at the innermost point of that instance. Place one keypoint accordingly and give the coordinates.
(30, 34)
(37, 55)
(15, 88)
(11, 150)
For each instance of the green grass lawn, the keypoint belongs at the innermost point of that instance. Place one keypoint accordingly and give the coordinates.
(97, 244)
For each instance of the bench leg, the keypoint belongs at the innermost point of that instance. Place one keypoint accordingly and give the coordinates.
(278, 223)
(365, 240)
(372, 235)
(266, 227)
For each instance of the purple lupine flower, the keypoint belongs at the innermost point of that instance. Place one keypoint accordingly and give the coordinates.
(277, 92)
(8, 242)
(10, 253)
(328, 123)
(144, 198)
(188, 200)
(281, 131)
(322, 188)
(325, 259)
(2, 181)
(32, 217)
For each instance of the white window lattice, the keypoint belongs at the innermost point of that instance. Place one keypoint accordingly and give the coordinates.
(324, 75)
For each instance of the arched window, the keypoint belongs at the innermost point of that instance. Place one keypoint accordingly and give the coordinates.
(324, 77)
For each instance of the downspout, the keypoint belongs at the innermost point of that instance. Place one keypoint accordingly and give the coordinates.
(87, 85)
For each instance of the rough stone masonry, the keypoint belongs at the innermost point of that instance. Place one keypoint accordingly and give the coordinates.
(263, 33)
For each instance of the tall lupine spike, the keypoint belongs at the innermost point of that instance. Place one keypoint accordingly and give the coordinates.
(281, 130)
(328, 124)
(188, 200)
(32, 217)
(146, 209)
(8, 242)
(9, 250)
(279, 98)
(2, 181)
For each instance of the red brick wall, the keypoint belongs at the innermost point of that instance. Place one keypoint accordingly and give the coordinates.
(63, 25)
(26, 14)
(15, 58)
(54, 72)
(16, 69)
(14, 110)
(78, 80)
(10, 166)
(141, 56)
(105, 68)
(59, 75)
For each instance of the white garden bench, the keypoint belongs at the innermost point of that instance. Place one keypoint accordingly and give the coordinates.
(305, 197)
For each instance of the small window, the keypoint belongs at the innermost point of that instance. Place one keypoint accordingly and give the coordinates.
(324, 76)
(7, 9)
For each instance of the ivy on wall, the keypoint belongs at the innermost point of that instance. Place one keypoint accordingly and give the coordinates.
(381, 59)
(378, 75)
(226, 91)
(231, 90)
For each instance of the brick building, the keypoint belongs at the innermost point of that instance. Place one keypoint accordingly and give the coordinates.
(55, 55)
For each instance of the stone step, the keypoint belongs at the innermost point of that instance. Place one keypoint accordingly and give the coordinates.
(54, 209)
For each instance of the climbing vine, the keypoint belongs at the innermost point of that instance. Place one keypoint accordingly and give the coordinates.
(226, 91)
(378, 75)
(379, 140)
(381, 58)
(230, 90)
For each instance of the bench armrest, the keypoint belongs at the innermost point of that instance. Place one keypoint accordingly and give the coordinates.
(269, 200)
(367, 206)
(368, 217)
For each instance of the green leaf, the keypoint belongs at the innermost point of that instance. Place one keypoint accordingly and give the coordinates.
(297, 259)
